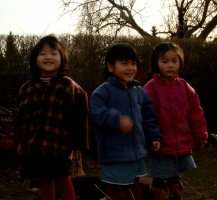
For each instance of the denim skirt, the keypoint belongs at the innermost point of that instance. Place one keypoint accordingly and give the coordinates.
(168, 166)
(123, 173)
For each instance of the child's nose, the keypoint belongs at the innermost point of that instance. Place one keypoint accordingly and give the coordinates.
(48, 55)
(170, 64)
(130, 66)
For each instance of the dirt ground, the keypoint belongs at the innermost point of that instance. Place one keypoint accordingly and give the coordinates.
(88, 187)
(14, 187)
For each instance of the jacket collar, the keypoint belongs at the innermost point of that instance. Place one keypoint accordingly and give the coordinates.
(38, 82)
(158, 77)
(55, 78)
(116, 83)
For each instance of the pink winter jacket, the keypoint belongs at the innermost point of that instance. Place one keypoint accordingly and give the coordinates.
(180, 116)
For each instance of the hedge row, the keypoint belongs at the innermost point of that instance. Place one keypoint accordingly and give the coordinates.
(86, 54)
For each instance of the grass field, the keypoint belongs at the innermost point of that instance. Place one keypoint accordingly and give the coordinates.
(201, 183)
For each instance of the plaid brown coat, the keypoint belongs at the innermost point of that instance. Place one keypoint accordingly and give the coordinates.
(52, 121)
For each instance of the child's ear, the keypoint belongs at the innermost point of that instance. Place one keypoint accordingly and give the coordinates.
(110, 67)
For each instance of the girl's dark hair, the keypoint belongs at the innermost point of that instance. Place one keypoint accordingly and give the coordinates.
(160, 50)
(119, 51)
(54, 43)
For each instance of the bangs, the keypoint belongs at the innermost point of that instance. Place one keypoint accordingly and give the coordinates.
(161, 53)
(50, 43)
(124, 52)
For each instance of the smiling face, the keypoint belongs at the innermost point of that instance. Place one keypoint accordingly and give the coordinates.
(48, 61)
(123, 70)
(169, 65)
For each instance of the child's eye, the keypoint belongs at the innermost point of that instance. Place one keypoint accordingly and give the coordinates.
(54, 52)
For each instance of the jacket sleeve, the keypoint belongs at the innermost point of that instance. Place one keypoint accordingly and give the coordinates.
(20, 126)
(149, 116)
(78, 122)
(148, 88)
(196, 120)
(101, 115)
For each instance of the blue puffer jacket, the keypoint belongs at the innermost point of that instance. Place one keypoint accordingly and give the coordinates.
(108, 103)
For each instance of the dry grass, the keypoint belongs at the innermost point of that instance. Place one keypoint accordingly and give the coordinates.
(201, 183)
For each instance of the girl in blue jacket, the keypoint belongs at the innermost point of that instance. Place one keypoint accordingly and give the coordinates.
(125, 122)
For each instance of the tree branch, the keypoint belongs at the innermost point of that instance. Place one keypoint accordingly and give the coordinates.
(129, 19)
(209, 27)
(203, 18)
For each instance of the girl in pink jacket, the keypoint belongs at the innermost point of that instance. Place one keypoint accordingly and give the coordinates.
(180, 119)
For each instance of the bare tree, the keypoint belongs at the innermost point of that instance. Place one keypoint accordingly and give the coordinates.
(181, 18)
(107, 16)
(190, 18)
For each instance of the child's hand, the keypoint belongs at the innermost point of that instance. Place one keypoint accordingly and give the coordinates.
(201, 147)
(19, 150)
(155, 145)
(126, 124)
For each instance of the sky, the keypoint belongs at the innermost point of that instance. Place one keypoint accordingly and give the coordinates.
(33, 17)
(40, 17)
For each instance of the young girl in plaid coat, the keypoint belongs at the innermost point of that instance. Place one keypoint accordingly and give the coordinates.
(52, 119)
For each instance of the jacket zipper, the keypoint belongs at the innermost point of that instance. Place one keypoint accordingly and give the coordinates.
(172, 118)
(131, 111)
